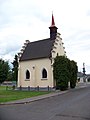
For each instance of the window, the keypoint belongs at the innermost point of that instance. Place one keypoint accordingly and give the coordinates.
(57, 54)
(27, 74)
(44, 73)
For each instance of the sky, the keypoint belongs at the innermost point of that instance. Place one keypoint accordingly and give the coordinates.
(22, 20)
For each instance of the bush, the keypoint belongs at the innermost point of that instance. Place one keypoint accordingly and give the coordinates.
(72, 84)
(88, 80)
(63, 86)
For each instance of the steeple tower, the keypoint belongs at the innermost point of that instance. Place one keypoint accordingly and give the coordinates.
(53, 29)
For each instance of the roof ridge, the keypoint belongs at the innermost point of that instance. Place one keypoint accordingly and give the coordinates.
(40, 40)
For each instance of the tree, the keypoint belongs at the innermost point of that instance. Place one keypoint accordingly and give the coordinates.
(4, 70)
(61, 71)
(10, 75)
(15, 69)
(74, 70)
(65, 71)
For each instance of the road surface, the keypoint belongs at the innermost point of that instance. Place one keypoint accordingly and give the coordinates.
(73, 105)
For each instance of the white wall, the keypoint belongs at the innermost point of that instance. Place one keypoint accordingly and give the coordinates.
(35, 67)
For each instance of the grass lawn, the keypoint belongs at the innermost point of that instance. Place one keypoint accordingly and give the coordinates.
(11, 95)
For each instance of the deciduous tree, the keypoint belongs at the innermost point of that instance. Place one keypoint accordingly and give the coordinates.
(4, 70)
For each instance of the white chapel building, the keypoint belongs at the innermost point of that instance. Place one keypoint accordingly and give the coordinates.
(36, 60)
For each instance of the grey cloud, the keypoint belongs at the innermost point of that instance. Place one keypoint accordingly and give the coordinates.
(9, 49)
(20, 13)
(4, 21)
(79, 36)
(5, 17)
(10, 12)
(38, 13)
(78, 43)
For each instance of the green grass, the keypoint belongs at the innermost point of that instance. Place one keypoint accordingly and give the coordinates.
(11, 95)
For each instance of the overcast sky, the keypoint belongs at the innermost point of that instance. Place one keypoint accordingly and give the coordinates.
(29, 19)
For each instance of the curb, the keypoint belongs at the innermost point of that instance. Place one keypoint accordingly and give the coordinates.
(32, 99)
(40, 97)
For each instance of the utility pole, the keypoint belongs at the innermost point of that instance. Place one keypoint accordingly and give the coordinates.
(84, 72)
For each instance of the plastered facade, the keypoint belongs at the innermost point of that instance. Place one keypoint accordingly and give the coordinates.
(36, 66)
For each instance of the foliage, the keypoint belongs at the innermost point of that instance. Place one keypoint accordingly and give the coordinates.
(4, 70)
(10, 75)
(15, 68)
(61, 72)
(73, 72)
(64, 71)
(5, 73)
(88, 79)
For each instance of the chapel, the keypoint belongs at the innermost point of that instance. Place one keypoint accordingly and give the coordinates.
(36, 60)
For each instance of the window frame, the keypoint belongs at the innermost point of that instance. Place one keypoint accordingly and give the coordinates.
(42, 74)
(27, 77)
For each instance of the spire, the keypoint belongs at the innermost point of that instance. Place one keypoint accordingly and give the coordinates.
(53, 23)
(53, 29)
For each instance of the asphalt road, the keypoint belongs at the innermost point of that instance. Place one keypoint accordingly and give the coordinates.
(73, 105)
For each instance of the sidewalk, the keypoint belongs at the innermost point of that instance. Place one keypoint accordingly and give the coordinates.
(81, 85)
(32, 99)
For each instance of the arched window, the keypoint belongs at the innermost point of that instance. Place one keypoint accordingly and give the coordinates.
(27, 74)
(44, 73)
(57, 54)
